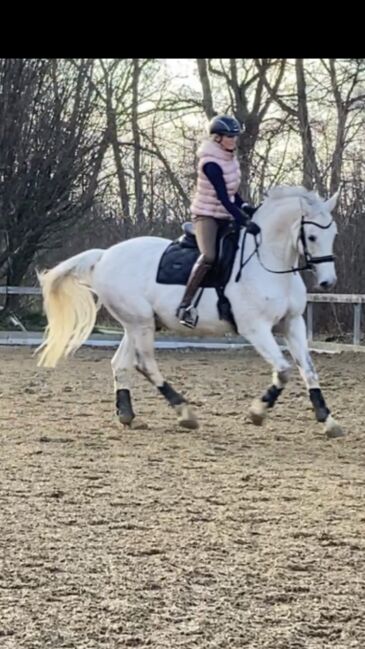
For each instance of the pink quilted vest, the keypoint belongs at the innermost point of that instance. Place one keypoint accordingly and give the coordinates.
(205, 201)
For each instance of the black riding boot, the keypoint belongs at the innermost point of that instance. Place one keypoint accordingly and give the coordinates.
(186, 312)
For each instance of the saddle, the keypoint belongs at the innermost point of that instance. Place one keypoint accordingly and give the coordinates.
(180, 256)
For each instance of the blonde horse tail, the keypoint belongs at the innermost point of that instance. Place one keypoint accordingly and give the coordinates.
(69, 305)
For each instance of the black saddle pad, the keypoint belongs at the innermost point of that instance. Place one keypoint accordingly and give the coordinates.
(180, 256)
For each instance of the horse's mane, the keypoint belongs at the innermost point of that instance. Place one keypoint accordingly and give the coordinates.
(285, 191)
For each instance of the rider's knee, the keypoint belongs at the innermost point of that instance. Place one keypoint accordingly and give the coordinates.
(207, 259)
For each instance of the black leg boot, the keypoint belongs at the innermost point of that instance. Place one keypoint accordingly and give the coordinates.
(186, 313)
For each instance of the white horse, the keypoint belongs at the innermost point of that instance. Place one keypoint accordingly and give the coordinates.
(270, 291)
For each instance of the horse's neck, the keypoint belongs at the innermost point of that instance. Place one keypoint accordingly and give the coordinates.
(277, 245)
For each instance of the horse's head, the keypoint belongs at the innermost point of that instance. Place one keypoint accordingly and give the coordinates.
(314, 236)
(312, 230)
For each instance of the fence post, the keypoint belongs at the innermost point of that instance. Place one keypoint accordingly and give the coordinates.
(357, 323)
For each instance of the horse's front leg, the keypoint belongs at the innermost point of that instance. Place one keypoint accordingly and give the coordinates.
(264, 342)
(296, 336)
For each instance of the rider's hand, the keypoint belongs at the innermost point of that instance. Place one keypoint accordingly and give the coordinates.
(248, 209)
(253, 228)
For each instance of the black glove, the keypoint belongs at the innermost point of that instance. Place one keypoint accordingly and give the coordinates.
(248, 209)
(253, 228)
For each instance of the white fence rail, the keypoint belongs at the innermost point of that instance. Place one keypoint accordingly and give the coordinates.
(357, 300)
(336, 298)
(20, 290)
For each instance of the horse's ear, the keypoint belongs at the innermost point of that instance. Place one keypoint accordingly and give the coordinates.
(331, 203)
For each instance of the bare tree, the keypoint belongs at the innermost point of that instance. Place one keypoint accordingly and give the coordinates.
(337, 85)
(50, 155)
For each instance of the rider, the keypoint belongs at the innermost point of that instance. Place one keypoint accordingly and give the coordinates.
(216, 200)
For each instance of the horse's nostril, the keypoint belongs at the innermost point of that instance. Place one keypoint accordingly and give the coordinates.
(324, 284)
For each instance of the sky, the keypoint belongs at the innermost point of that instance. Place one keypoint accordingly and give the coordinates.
(183, 70)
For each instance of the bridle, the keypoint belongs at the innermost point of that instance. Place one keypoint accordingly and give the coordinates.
(310, 261)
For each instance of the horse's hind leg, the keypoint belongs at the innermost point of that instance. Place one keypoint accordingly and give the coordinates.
(295, 333)
(265, 343)
(122, 364)
(143, 337)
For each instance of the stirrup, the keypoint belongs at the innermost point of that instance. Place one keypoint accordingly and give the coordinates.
(188, 316)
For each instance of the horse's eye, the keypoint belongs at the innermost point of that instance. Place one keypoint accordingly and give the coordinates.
(312, 237)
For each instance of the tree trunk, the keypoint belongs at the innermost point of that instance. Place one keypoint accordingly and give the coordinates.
(311, 175)
(138, 185)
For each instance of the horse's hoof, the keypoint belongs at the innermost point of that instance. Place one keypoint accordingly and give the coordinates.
(333, 429)
(256, 419)
(187, 418)
(191, 424)
(125, 419)
(257, 412)
(124, 408)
